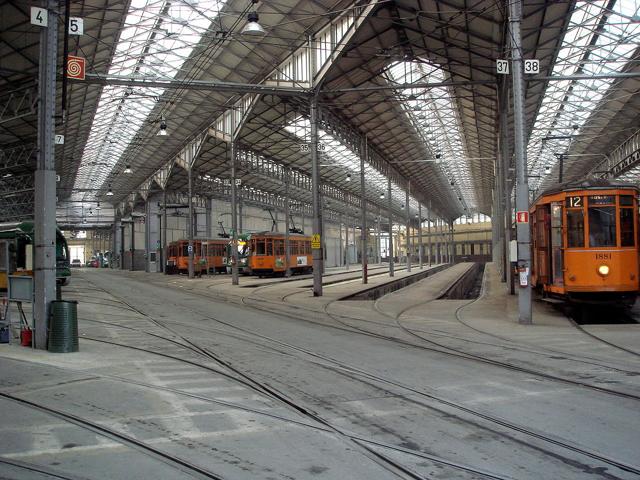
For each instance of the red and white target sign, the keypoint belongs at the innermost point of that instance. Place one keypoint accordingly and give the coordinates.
(75, 67)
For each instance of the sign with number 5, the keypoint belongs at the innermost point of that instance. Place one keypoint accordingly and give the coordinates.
(76, 26)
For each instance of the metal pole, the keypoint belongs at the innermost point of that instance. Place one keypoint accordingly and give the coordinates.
(340, 248)
(346, 244)
(163, 232)
(286, 222)
(408, 227)
(234, 216)
(420, 236)
(121, 245)
(132, 243)
(363, 210)
(379, 239)
(190, 224)
(317, 211)
(207, 219)
(240, 211)
(390, 249)
(429, 233)
(45, 181)
(522, 186)
(505, 220)
(147, 236)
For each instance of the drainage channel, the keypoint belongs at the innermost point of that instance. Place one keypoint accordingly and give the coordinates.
(373, 293)
(468, 286)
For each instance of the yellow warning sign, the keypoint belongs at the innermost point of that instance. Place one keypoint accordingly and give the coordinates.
(315, 241)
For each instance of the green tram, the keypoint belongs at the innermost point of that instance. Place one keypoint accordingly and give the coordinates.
(16, 252)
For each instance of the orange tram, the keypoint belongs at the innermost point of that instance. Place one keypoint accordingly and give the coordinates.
(208, 256)
(585, 243)
(266, 254)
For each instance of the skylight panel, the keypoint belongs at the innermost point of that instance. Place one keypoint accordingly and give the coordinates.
(155, 41)
(567, 105)
(340, 156)
(435, 117)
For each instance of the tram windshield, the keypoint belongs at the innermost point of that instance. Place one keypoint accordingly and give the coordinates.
(602, 226)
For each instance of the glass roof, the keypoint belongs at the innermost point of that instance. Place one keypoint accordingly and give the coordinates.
(434, 114)
(341, 158)
(155, 40)
(586, 49)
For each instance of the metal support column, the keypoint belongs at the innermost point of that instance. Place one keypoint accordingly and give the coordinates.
(363, 211)
(207, 219)
(420, 262)
(505, 219)
(390, 249)
(408, 227)
(430, 258)
(190, 223)
(45, 181)
(163, 233)
(121, 245)
(147, 236)
(317, 211)
(234, 216)
(379, 238)
(340, 246)
(437, 233)
(287, 214)
(132, 244)
(240, 211)
(522, 186)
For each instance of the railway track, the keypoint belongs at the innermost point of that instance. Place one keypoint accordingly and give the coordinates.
(176, 462)
(360, 373)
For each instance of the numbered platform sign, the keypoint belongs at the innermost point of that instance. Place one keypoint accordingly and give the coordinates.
(532, 66)
(76, 26)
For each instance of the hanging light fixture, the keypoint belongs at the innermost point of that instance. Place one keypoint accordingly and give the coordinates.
(348, 177)
(109, 192)
(382, 195)
(547, 169)
(163, 128)
(98, 207)
(253, 27)
(127, 169)
(402, 206)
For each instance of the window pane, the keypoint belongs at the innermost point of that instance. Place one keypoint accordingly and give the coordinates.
(602, 227)
(626, 227)
(260, 247)
(575, 228)
(269, 247)
(626, 200)
(185, 250)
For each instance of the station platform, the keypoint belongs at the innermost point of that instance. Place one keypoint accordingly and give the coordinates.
(180, 378)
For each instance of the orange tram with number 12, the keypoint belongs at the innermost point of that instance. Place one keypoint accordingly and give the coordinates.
(208, 256)
(266, 254)
(585, 243)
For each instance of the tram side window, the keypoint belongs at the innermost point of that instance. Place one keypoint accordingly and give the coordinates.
(602, 226)
(626, 227)
(185, 249)
(260, 247)
(269, 246)
(575, 228)
(278, 246)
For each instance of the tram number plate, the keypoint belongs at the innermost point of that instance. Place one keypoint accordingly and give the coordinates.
(603, 256)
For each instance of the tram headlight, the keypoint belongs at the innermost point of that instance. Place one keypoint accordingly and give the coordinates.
(603, 270)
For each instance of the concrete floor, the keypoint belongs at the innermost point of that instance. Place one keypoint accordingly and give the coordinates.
(180, 378)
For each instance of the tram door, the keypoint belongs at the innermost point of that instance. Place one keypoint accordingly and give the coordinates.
(556, 244)
(542, 257)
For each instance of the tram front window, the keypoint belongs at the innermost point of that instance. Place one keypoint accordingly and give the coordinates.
(626, 227)
(575, 228)
(602, 226)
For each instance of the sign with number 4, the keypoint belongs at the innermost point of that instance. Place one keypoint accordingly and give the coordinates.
(76, 26)
(39, 16)
(532, 66)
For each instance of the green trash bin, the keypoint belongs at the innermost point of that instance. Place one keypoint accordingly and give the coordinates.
(63, 326)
